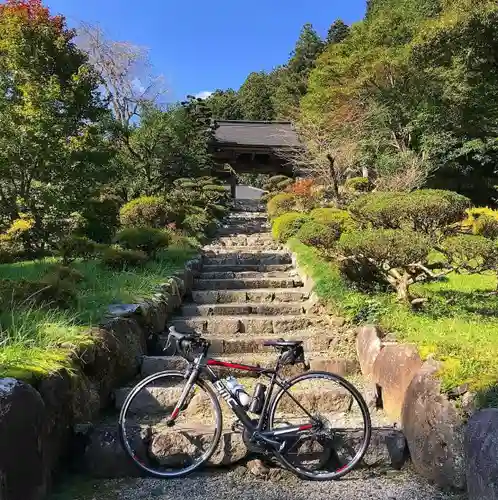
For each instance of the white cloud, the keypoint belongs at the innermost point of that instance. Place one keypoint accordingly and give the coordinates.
(204, 94)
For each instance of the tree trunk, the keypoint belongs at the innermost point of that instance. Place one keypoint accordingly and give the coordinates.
(402, 288)
(333, 175)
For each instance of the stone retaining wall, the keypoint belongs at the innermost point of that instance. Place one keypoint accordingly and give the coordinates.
(433, 424)
(37, 422)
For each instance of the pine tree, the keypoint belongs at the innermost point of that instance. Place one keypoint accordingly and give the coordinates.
(338, 31)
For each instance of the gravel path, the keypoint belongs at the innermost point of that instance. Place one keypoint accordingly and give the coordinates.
(240, 485)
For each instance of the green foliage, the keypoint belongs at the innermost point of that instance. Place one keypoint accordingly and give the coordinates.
(318, 235)
(53, 149)
(76, 247)
(145, 239)
(426, 210)
(255, 97)
(486, 226)
(48, 292)
(100, 219)
(339, 220)
(338, 31)
(272, 184)
(60, 273)
(395, 247)
(166, 145)
(281, 203)
(146, 211)
(470, 253)
(199, 224)
(287, 225)
(117, 258)
(360, 184)
(224, 105)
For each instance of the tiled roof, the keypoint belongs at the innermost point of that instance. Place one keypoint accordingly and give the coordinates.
(252, 133)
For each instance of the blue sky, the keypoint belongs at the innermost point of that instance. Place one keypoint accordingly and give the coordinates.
(201, 46)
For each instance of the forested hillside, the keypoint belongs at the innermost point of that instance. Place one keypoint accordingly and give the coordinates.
(409, 95)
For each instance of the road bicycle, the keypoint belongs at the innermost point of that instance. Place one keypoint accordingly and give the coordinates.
(171, 422)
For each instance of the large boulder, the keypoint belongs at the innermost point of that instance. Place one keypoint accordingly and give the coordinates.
(481, 452)
(368, 346)
(393, 370)
(23, 469)
(434, 430)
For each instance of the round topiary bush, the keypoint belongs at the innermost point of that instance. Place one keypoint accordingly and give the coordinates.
(359, 184)
(486, 226)
(146, 211)
(76, 247)
(281, 203)
(146, 239)
(470, 253)
(199, 223)
(274, 183)
(336, 218)
(318, 235)
(287, 225)
(425, 210)
(117, 258)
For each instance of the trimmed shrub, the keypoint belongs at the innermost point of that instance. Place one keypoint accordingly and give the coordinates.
(117, 258)
(281, 203)
(287, 225)
(486, 226)
(199, 223)
(147, 211)
(336, 218)
(48, 292)
(359, 184)
(426, 210)
(470, 253)
(77, 247)
(59, 273)
(318, 235)
(274, 182)
(396, 247)
(146, 239)
(388, 257)
(100, 219)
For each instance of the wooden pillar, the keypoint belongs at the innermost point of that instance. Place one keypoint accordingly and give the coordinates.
(233, 186)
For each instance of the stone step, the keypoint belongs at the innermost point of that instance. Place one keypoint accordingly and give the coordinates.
(246, 215)
(161, 399)
(247, 274)
(103, 455)
(246, 324)
(242, 246)
(247, 258)
(239, 268)
(246, 283)
(240, 230)
(244, 309)
(254, 295)
(317, 361)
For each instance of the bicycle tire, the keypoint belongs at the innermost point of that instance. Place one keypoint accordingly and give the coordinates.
(367, 426)
(123, 418)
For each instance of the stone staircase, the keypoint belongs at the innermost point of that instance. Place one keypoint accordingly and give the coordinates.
(248, 291)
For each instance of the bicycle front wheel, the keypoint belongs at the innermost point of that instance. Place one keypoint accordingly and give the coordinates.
(336, 423)
(158, 446)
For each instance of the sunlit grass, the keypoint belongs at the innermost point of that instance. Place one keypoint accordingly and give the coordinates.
(37, 340)
(458, 326)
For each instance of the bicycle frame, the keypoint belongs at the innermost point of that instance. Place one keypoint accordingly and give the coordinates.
(203, 365)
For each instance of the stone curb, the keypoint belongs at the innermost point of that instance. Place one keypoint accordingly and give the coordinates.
(56, 404)
(411, 392)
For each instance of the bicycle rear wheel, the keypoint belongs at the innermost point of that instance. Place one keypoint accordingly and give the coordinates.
(339, 425)
(158, 447)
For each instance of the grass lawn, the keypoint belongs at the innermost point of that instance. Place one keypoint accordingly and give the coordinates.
(30, 338)
(458, 326)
